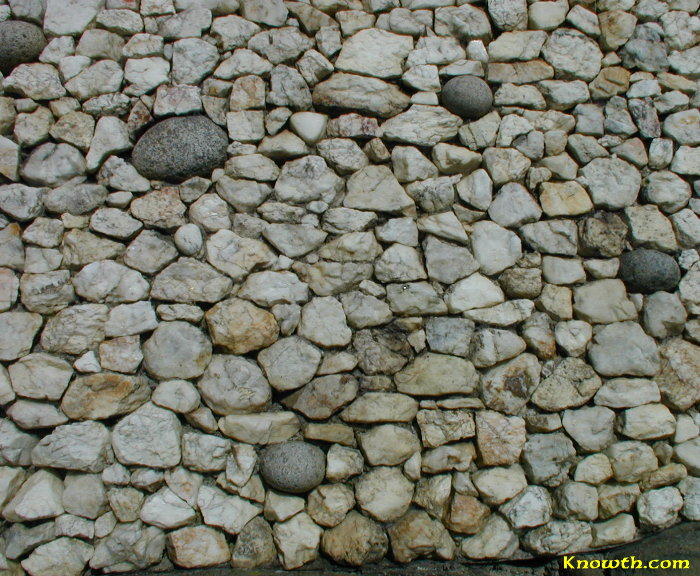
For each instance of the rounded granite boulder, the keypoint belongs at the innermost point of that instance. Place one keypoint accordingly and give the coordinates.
(646, 271)
(19, 42)
(467, 96)
(179, 148)
(294, 467)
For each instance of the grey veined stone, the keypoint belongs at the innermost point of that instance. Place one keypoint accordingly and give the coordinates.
(19, 42)
(293, 466)
(648, 271)
(179, 148)
(467, 96)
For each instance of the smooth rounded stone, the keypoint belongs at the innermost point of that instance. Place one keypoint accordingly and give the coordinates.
(19, 42)
(648, 271)
(467, 96)
(178, 148)
(294, 467)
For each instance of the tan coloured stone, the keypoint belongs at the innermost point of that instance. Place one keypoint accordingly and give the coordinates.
(240, 327)
(356, 541)
(197, 547)
(103, 395)
(500, 438)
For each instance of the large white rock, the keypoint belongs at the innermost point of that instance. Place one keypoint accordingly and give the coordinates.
(290, 362)
(388, 445)
(80, 446)
(40, 376)
(226, 511)
(197, 547)
(495, 540)
(437, 375)
(40, 497)
(384, 493)
(149, 436)
(374, 52)
(573, 54)
(612, 182)
(66, 19)
(61, 557)
(376, 188)
(659, 508)
(494, 247)
(166, 510)
(263, 428)
(323, 322)
(17, 331)
(648, 422)
(233, 384)
(422, 125)
(475, 291)
(176, 350)
(297, 540)
(623, 348)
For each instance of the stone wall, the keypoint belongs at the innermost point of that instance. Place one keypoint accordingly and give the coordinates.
(345, 279)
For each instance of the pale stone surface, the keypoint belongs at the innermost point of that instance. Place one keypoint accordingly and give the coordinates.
(298, 540)
(384, 493)
(233, 384)
(176, 350)
(62, 557)
(357, 540)
(429, 264)
(263, 428)
(82, 446)
(435, 374)
(38, 498)
(611, 352)
(228, 512)
(197, 546)
(134, 434)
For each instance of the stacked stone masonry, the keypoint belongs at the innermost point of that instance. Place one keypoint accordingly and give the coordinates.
(345, 279)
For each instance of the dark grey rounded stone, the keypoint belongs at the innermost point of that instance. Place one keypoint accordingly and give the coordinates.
(293, 466)
(646, 271)
(19, 42)
(179, 148)
(467, 96)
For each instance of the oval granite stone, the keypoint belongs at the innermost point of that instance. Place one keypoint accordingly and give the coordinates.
(467, 96)
(646, 271)
(293, 466)
(179, 148)
(19, 42)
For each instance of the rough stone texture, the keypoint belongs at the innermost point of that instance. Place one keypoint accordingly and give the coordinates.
(179, 148)
(648, 271)
(293, 466)
(439, 257)
(19, 42)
